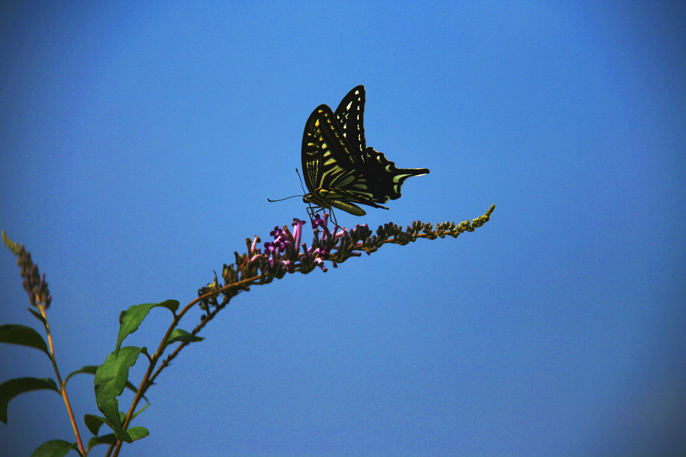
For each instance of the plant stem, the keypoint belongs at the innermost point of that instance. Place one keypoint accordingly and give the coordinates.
(62, 384)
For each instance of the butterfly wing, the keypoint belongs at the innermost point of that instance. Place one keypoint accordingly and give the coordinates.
(331, 176)
(383, 179)
(350, 116)
(339, 169)
(325, 159)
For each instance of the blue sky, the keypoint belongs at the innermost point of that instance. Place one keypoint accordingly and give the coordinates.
(140, 142)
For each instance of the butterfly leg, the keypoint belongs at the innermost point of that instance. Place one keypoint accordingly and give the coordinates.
(312, 211)
(333, 219)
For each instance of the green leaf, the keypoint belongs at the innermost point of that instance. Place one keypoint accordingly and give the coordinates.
(38, 315)
(138, 432)
(140, 411)
(182, 335)
(90, 369)
(53, 448)
(131, 319)
(13, 387)
(86, 369)
(110, 380)
(23, 335)
(104, 439)
(93, 422)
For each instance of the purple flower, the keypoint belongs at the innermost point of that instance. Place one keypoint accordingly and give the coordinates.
(297, 232)
(269, 248)
(320, 221)
(320, 263)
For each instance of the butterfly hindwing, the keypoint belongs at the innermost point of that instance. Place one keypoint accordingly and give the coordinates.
(384, 179)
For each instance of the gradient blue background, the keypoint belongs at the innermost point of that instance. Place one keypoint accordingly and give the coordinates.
(140, 142)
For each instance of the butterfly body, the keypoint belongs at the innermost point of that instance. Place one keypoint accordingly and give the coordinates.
(340, 170)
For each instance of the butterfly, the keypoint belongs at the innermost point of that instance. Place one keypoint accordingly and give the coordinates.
(340, 170)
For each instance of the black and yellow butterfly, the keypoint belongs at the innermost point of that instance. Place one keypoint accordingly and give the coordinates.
(340, 170)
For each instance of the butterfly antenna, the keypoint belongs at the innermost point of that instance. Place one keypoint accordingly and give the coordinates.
(301, 181)
(282, 199)
(292, 196)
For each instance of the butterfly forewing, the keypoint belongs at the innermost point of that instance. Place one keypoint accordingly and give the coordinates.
(325, 159)
(350, 115)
